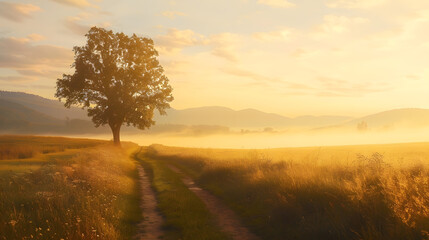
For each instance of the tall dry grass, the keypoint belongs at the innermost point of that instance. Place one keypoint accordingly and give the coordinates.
(89, 195)
(22, 147)
(364, 197)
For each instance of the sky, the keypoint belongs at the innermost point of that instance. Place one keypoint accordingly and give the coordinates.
(290, 57)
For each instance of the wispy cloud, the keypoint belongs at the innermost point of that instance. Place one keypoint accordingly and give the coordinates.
(225, 45)
(354, 3)
(277, 3)
(173, 14)
(80, 24)
(32, 61)
(248, 74)
(332, 87)
(262, 80)
(283, 34)
(174, 40)
(18, 79)
(36, 37)
(74, 24)
(76, 3)
(17, 12)
(339, 24)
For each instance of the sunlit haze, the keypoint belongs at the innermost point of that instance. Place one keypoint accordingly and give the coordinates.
(214, 119)
(308, 57)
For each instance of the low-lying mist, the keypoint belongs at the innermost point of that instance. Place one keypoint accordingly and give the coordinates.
(278, 139)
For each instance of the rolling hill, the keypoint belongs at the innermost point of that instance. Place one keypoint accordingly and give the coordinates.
(393, 119)
(202, 116)
(49, 107)
(34, 114)
(18, 118)
(247, 118)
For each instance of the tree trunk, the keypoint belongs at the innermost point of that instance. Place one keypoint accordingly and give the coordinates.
(116, 133)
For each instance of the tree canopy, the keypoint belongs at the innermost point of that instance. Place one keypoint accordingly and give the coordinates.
(118, 79)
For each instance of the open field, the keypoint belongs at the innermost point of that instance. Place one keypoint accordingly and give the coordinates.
(20, 147)
(351, 192)
(89, 189)
(85, 193)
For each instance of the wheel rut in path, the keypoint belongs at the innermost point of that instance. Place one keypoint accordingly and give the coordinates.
(226, 218)
(150, 226)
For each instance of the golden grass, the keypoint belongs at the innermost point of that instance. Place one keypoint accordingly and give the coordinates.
(88, 194)
(22, 147)
(350, 192)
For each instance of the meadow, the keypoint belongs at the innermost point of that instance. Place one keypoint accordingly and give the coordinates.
(345, 192)
(66, 188)
(77, 189)
(20, 147)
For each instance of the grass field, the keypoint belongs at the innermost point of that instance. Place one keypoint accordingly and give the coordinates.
(88, 189)
(21, 147)
(350, 192)
(90, 192)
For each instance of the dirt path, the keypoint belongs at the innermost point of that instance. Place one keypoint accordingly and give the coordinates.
(150, 227)
(227, 219)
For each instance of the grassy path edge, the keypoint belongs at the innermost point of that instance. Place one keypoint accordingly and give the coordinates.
(186, 216)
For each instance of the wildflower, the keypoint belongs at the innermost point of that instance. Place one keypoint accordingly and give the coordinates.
(13, 222)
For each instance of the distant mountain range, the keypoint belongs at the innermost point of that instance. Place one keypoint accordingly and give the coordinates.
(28, 113)
(49, 107)
(394, 119)
(247, 118)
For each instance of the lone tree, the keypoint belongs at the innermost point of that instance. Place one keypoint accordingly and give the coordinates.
(118, 79)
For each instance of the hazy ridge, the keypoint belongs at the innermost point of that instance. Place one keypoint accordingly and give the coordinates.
(23, 112)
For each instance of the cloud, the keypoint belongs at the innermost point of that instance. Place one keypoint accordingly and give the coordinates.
(77, 26)
(176, 67)
(175, 40)
(299, 53)
(74, 25)
(17, 12)
(338, 87)
(324, 87)
(36, 37)
(333, 24)
(172, 14)
(75, 3)
(225, 45)
(248, 74)
(354, 3)
(283, 34)
(262, 80)
(32, 61)
(412, 77)
(276, 3)
(16, 79)
(39, 73)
